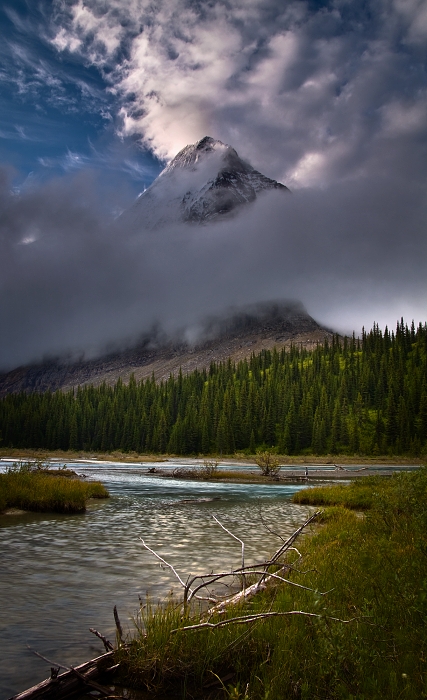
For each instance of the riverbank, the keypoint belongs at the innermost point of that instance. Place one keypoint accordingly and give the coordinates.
(235, 458)
(349, 621)
(290, 476)
(236, 468)
(369, 640)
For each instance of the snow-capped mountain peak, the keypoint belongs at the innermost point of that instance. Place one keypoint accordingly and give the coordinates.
(205, 181)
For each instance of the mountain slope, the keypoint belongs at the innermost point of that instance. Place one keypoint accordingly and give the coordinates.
(236, 335)
(204, 182)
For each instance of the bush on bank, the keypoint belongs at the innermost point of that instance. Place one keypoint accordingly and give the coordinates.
(373, 570)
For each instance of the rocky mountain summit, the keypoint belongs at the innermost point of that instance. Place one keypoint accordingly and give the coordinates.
(206, 181)
(236, 335)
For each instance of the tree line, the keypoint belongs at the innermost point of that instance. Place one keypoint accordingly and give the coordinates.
(355, 396)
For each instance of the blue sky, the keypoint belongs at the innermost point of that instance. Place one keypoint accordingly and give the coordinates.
(57, 115)
(329, 98)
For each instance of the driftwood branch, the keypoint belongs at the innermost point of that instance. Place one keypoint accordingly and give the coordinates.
(107, 644)
(48, 661)
(246, 619)
(249, 592)
(235, 537)
(72, 669)
(166, 563)
(70, 683)
(208, 580)
(286, 545)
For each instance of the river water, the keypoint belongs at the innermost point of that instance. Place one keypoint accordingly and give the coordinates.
(60, 575)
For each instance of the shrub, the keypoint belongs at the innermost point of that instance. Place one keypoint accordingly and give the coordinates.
(268, 463)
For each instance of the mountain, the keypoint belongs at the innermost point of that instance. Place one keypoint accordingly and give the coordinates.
(236, 335)
(204, 182)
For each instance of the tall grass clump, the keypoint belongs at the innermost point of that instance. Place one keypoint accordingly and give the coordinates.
(40, 491)
(359, 495)
(368, 572)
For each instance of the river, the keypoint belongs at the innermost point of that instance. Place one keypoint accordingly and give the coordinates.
(61, 575)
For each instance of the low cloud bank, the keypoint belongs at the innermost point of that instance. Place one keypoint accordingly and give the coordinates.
(72, 282)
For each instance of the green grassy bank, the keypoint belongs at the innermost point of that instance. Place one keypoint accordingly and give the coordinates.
(358, 495)
(370, 572)
(38, 490)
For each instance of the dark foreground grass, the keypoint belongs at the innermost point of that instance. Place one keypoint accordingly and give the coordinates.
(46, 492)
(375, 571)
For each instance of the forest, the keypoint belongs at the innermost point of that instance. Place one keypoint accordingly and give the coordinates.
(364, 396)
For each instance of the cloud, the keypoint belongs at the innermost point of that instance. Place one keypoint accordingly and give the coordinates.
(311, 96)
(71, 282)
(328, 98)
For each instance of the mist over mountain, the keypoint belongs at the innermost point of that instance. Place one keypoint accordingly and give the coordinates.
(236, 333)
(206, 181)
(75, 285)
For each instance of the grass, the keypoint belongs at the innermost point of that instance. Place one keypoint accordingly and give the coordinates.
(47, 493)
(374, 570)
(358, 495)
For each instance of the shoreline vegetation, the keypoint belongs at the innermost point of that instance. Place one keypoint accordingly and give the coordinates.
(33, 486)
(349, 620)
(340, 614)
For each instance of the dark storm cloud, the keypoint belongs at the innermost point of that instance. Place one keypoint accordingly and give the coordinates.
(71, 283)
(330, 98)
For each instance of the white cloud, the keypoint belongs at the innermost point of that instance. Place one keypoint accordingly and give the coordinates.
(276, 80)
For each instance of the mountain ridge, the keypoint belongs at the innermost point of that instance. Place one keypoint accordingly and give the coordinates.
(235, 335)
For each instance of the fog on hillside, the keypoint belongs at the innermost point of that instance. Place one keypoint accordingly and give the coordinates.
(72, 282)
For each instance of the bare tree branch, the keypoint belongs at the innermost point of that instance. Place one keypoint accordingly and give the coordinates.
(234, 536)
(245, 619)
(166, 563)
(184, 585)
(267, 527)
(107, 644)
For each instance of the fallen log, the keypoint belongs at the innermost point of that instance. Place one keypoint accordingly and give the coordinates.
(66, 685)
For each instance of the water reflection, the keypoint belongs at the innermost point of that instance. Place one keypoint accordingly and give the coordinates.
(61, 575)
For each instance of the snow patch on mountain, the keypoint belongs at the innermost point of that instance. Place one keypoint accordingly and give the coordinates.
(204, 182)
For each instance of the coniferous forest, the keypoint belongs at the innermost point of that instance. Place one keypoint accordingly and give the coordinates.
(364, 396)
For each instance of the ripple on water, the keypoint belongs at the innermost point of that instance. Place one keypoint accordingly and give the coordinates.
(61, 575)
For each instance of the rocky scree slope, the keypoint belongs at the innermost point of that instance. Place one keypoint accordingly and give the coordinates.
(235, 335)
